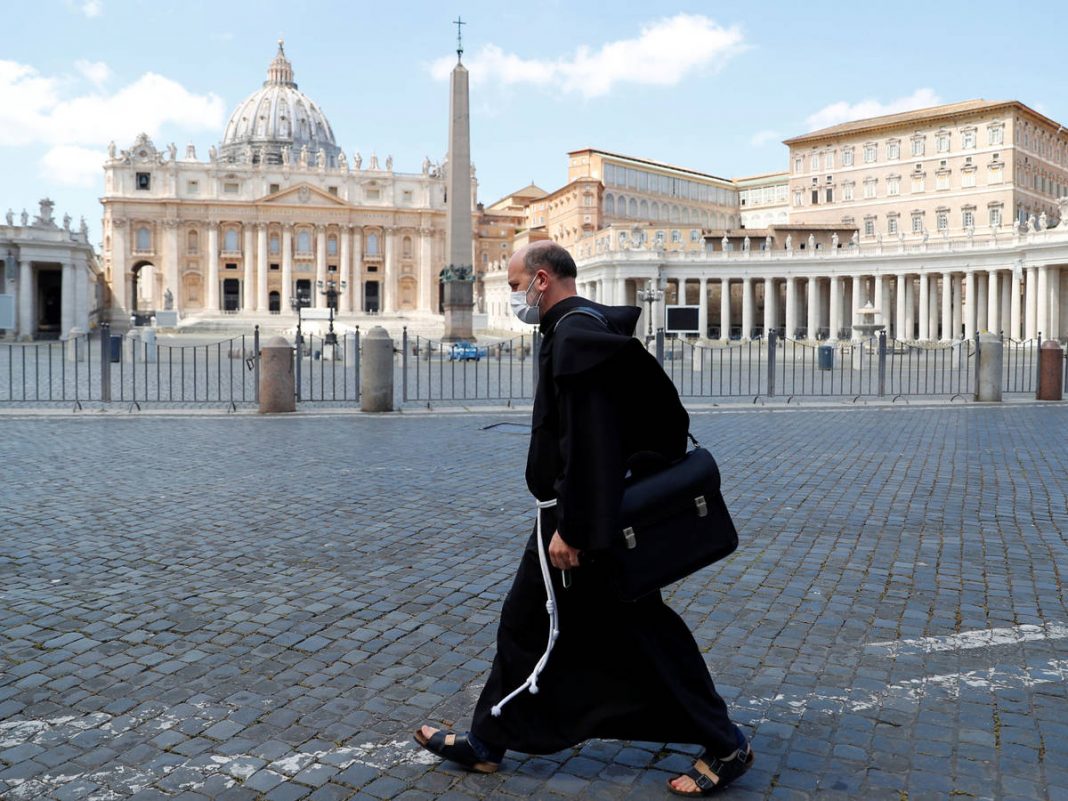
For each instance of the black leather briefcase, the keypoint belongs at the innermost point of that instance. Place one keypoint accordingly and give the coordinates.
(674, 523)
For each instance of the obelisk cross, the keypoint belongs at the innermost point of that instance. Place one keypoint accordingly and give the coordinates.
(459, 37)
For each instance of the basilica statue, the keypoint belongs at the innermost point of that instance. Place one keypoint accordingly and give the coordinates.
(389, 163)
(357, 160)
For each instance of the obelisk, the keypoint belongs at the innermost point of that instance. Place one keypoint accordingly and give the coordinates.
(458, 276)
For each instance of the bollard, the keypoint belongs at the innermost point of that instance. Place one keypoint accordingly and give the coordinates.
(75, 348)
(988, 371)
(277, 388)
(376, 371)
(1050, 371)
(149, 336)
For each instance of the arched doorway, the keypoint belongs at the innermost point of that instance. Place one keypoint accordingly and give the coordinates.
(142, 287)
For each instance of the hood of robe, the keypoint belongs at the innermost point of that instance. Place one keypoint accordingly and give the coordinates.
(582, 342)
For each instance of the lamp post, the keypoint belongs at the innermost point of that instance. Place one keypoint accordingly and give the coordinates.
(331, 291)
(651, 295)
(296, 305)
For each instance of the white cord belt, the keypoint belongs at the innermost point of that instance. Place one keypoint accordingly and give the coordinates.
(554, 620)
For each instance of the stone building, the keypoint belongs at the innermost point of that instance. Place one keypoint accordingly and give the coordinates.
(48, 276)
(276, 215)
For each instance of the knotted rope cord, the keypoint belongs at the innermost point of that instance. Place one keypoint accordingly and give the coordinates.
(554, 620)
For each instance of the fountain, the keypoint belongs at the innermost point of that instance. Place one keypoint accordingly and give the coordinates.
(864, 329)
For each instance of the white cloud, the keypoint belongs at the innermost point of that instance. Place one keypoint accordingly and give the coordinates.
(843, 111)
(32, 110)
(92, 8)
(663, 54)
(73, 165)
(763, 137)
(96, 72)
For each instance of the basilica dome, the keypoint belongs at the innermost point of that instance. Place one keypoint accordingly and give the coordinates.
(278, 123)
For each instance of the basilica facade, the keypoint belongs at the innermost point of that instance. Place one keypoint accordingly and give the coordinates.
(277, 217)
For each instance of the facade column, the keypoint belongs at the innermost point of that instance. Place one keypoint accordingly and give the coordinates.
(812, 301)
(248, 294)
(427, 283)
(212, 290)
(834, 320)
(66, 303)
(1042, 303)
(1005, 293)
(947, 307)
(771, 302)
(993, 303)
(747, 308)
(725, 309)
(1014, 305)
(318, 301)
(958, 317)
(791, 307)
(971, 316)
(170, 264)
(119, 279)
(388, 282)
(1031, 310)
(261, 268)
(343, 273)
(925, 308)
(25, 321)
(900, 327)
(702, 311)
(357, 269)
(81, 294)
(287, 266)
(932, 297)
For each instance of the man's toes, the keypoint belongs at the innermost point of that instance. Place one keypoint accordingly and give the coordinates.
(428, 731)
(684, 783)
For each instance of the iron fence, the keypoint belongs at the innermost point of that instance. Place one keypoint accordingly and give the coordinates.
(432, 370)
(50, 372)
(328, 369)
(1020, 366)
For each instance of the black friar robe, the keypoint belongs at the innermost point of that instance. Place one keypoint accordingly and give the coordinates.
(619, 670)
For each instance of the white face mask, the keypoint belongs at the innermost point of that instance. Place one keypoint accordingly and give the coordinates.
(526, 312)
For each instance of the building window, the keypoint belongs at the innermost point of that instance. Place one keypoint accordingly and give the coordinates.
(893, 185)
(942, 181)
(676, 236)
(967, 140)
(891, 226)
(996, 134)
(967, 179)
(372, 194)
(406, 247)
(304, 242)
(870, 152)
(797, 197)
(274, 244)
(917, 222)
(230, 241)
(869, 188)
(995, 216)
(968, 218)
(407, 196)
(274, 266)
(893, 150)
(828, 161)
(918, 145)
(869, 226)
(829, 195)
(919, 184)
(230, 188)
(273, 188)
(695, 235)
(847, 157)
(847, 191)
(942, 143)
(942, 220)
(143, 243)
(144, 180)
(192, 242)
(331, 245)
(332, 190)
(814, 163)
(372, 244)
(192, 187)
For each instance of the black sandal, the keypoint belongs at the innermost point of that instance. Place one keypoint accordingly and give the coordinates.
(455, 748)
(713, 775)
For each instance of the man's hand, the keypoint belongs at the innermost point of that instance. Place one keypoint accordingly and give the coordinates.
(561, 555)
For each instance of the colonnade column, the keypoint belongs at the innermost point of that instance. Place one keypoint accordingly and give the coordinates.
(702, 310)
(958, 311)
(899, 322)
(947, 307)
(1054, 303)
(25, 311)
(212, 293)
(388, 283)
(878, 301)
(771, 296)
(320, 266)
(925, 308)
(884, 307)
(66, 305)
(725, 309)
(993, 304)
(791, 307)
(343, 272)
(982, 319)
(248, 296)
(357, 269)
(1031, 310)
(747, 308)
(1005, 293)
(170, 261)
(834, 317)
(910, 308)
(287, 266)
(1042, 314)
(261, 268)
(812, 295)
(971, 320)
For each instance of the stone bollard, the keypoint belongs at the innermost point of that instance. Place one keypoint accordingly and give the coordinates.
(277, 390)
(988, 370)
(131, 345)
(149, 352)
(376, 371)
(76, 345)
(1050, 371)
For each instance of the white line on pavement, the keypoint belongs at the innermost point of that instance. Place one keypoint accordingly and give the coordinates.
(983, 638)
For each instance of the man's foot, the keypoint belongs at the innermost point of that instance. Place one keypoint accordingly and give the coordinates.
(708, 776)
(458, 748)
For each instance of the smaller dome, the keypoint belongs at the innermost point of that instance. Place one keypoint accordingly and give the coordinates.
(278, 117)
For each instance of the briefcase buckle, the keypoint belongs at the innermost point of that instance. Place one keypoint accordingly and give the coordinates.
(628, 535)
(702, 507)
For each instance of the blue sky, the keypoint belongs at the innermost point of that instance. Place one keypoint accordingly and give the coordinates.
(713, 86)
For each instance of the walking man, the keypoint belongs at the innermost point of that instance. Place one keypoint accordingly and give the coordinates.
(619, 670)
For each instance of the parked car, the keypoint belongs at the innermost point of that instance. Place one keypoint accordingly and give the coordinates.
(465, 351)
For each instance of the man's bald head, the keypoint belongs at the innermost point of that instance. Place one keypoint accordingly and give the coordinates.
(547, 255)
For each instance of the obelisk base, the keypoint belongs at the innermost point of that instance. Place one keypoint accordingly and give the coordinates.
(459, 311)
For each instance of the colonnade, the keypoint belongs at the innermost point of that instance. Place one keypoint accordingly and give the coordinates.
(912, 305)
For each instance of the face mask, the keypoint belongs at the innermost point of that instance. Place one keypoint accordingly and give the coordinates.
(526, 312)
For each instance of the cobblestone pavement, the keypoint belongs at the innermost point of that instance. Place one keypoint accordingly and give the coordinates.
(245, 608)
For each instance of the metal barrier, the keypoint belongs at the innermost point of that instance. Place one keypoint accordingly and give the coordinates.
(50, 372)
(737, 369)
(432, 370)
(1020, 366)
(328, 371)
